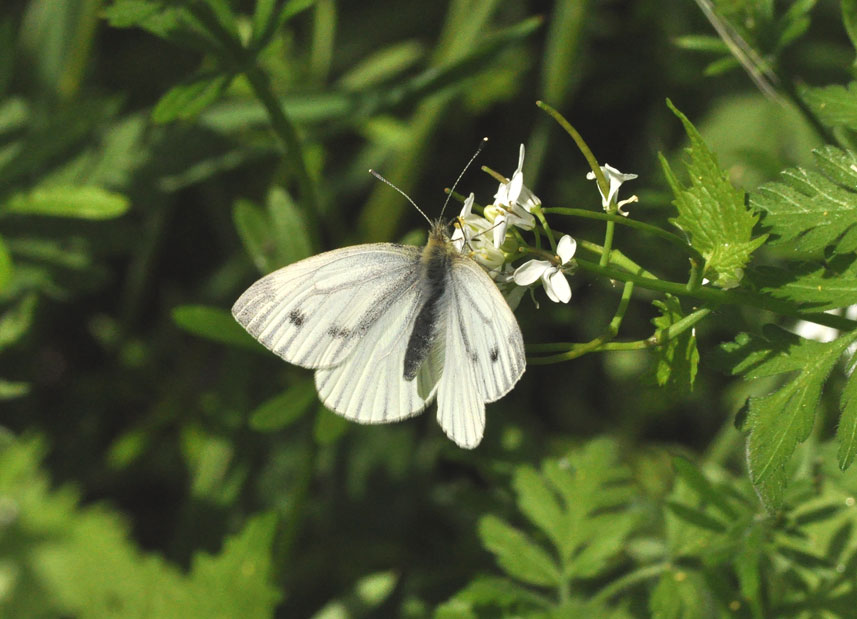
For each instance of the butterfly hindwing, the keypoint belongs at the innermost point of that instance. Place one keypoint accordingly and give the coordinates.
(369, 386)
(315, 312)
(484, 352)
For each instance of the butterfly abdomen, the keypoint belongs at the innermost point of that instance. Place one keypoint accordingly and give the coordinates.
(434, 264)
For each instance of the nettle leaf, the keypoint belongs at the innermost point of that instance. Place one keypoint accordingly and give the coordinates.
(846, 432)
(712, 212)
(834, 106)
(816, 209)
(677, 359)
(782, 419)
(820, 286)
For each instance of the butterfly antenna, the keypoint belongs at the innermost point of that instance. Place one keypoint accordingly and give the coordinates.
(455, 184)
(407, 197)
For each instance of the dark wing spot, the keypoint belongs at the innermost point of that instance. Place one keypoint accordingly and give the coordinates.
(338, 332)
(495, 354)
(474, 357)
(296, 317)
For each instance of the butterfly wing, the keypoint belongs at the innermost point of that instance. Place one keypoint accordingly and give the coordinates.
(369, 386)
(315, 312)
(484, 352)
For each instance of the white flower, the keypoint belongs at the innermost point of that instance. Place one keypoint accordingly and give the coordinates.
(513, 203)
(471, 232)
(615, 178)
(553, 279)
(468, 225)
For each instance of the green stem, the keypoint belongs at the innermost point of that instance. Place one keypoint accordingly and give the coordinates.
(608, 243)
(640, 575)
(581, 145)
(537, 211)
(286, 131)
(717, 296)
(578, 350)
(669, 237)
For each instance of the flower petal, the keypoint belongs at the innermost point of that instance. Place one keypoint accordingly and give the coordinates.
(565, 248)
(500, 225)
(556, 285)
(530, 271)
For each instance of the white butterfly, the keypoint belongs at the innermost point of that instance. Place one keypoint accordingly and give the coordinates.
(390, 327)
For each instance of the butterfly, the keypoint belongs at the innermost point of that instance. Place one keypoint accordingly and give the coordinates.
(389, 328)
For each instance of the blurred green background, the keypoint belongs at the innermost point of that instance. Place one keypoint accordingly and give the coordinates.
(131, 221)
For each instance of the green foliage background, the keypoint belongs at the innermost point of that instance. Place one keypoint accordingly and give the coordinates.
(156, 156)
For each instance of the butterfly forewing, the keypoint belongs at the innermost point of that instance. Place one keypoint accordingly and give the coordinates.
(315, 312)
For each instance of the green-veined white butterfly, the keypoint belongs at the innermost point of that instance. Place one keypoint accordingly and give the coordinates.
(388, 328)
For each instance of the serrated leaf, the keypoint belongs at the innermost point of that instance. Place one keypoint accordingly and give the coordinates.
(816, 209)
(539, 503)
(818, 286)
(517, 554)
(215, 324)
(185, 101)
(846, 432)
(784, 418)
(677, 359)
(85, 202)
(712, 212)
(284, 408)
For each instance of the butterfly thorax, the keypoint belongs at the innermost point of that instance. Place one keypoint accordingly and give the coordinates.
(435, 263)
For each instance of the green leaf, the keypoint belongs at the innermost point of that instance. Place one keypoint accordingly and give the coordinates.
(15, 322)
(849, 19)
(784, 418)
(164, 20)
(681, 594)
(214, 324)
(846, 432)
(274, 238)
(696, 517)
(677, 359)
(329, 427)
(820, 286)
(237, 582)
(712, 212)
(516, 553)
(10, 390)
(747, 564)
(539, 503)
(6, 268)
(699, 483)
(266, 23)
(382, 65)
(285, 408)
(492, 591)
(369, 592)
(69, 201)
(816, 209)
(188, 99)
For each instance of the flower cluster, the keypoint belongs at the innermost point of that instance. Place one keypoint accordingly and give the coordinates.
(489, 238)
